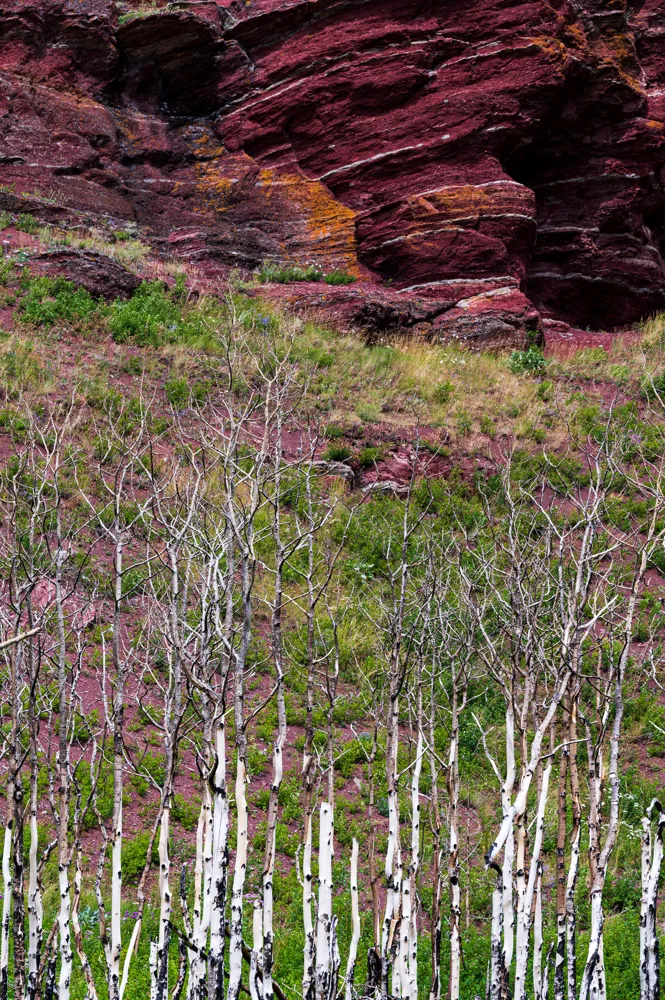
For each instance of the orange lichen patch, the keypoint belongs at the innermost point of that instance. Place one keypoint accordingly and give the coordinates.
(217, 172)
(218, 176)
(74, 98)
(202, 146)
(214, 189)
(469, 201)
(619, 51)
(329, 235)
(576, 37)
(552, 47)
(140, 132)
(126, 127)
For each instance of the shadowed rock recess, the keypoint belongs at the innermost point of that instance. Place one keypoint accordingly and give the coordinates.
(477, 165)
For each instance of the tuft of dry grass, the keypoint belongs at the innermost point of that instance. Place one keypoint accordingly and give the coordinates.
(469, 398)
(128, 251)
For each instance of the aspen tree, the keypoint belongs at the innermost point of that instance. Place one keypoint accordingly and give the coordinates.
(652, 861)
(116, 479)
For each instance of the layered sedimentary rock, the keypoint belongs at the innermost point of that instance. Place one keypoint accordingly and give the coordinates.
(476, 164)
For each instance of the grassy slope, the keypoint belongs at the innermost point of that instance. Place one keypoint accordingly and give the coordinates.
(469, 408)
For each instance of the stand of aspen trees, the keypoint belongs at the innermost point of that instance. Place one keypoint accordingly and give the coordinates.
(213, 538)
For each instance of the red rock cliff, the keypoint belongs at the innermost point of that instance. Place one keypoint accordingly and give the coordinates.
(477, 163)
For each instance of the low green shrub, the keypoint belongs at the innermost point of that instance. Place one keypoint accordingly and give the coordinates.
(367, 457)
(653, 386)
(319, 356)
(154, 765)
(337, 453)
(529, 362)
(138, 12)
(185, 812)
(350, 757)
(464, 423)
(52, 300)
(369, 414)
(257, 761)
(283, 274)
(487, 425)
(181, 393)
(177, 392)
(134, 854)
(6, 270)
(27, 223)
(149, 317)
(442, 392)
(13, 423)
(339, 278)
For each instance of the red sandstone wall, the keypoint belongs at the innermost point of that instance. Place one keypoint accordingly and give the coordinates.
(475, 161)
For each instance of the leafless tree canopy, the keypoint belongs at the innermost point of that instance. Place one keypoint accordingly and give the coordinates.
(172, 593)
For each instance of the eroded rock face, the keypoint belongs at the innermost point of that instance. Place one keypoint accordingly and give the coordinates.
(475, 164)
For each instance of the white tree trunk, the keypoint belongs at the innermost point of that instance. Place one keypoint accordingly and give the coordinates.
(327, 956)
(64, 918)
(240, 868)
(652, 860)
(255, 982)
(412, 920)
(202, 892)
(161, 972)
(355, 923)
(571, 916)
(394, 944)
(269, 872)
(644, 905)
(404, 936)
(35, 907)
(76, 926)
(116, 906)
(393, 865)
(593, 981)
(456, 917)
(391, 912)
(497, 958)
(539, 981)
(519, 805)
(525, 908)
(509, 849)
(309, 951)
(153, 970)
(520, 894)
(215, 870)
(6, 904)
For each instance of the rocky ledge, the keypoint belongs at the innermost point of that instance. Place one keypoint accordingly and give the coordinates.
(476, 166)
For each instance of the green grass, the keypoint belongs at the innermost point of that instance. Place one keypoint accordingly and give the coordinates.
(531, 361)
(138, 12)
(283, 274)
(272, 272)
(465, 397)
(51, 300)
(27, 224)
(339, 278)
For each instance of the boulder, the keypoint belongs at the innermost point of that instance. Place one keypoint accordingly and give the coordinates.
(101, 276)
